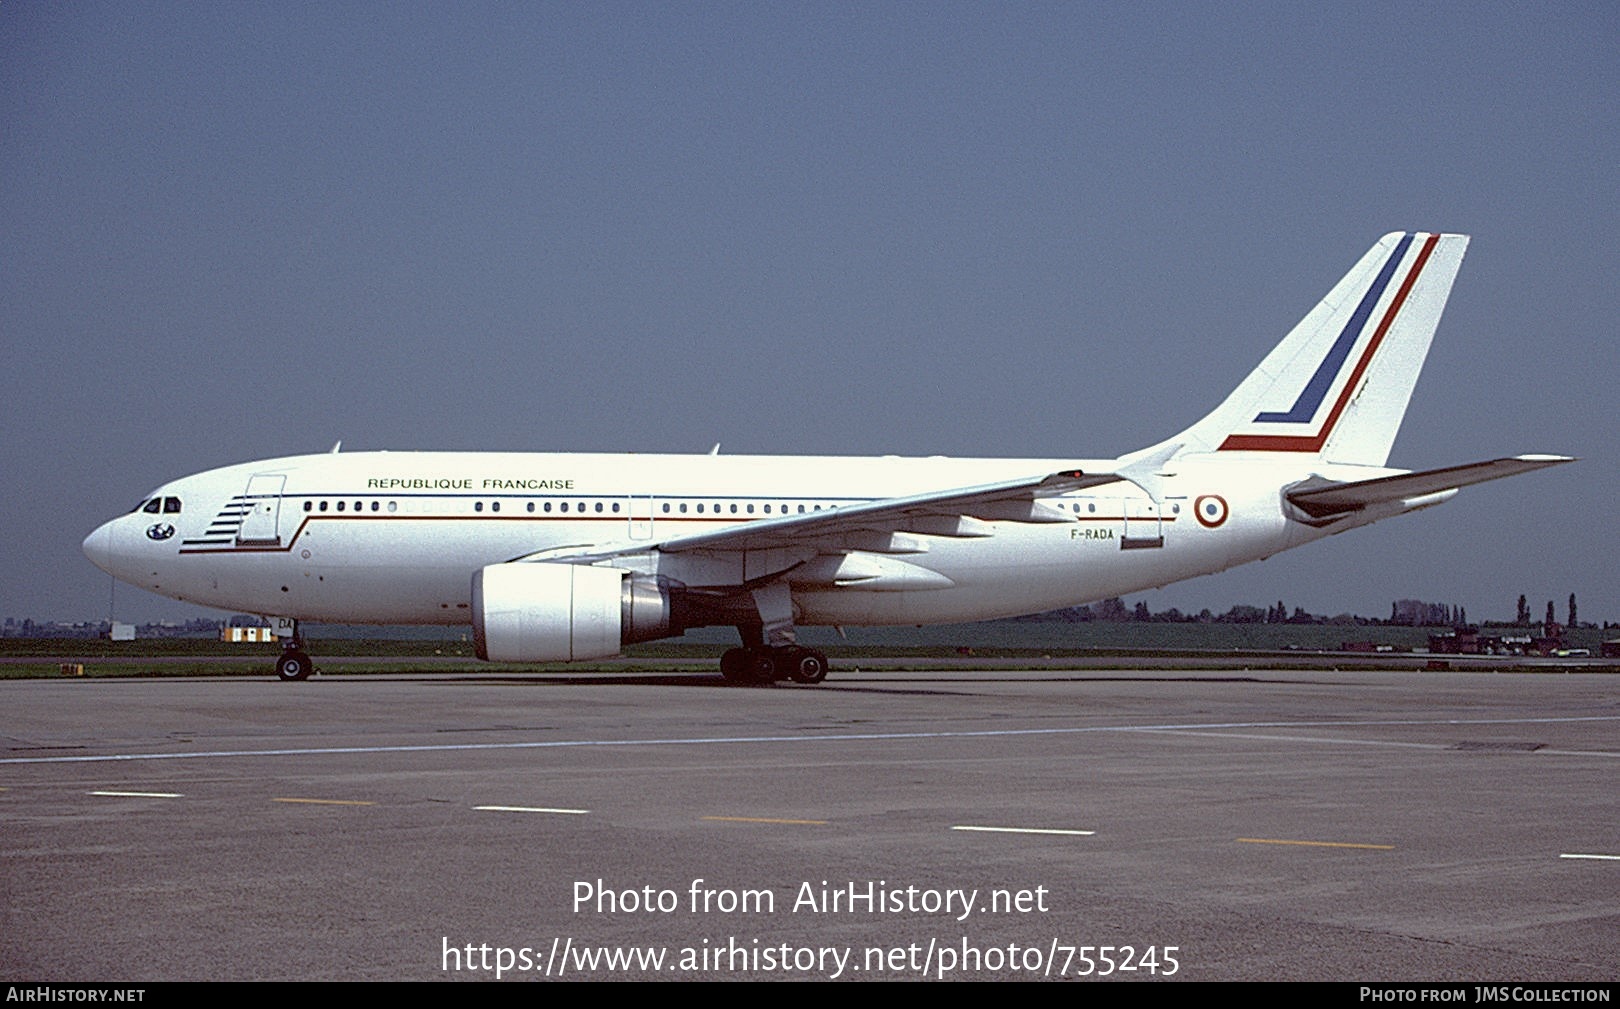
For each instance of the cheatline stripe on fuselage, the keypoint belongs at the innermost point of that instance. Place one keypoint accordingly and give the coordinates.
(217, 546)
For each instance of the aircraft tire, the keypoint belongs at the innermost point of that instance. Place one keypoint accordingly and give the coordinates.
(293, 665)
(809, 666)
(764, 667)
(736, 665)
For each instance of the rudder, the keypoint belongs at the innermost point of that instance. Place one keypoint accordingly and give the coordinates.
(1339, 383)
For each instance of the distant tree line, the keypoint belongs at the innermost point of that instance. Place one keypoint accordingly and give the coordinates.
(1114, 610)
(1416, 613)
(1402, 613)
(1522, 616)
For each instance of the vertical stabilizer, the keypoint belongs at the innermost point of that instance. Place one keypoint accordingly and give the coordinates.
(1337, 386)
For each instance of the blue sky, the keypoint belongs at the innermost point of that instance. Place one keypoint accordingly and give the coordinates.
(236, 231)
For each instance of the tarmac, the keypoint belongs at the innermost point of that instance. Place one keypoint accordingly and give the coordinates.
(1144, 824)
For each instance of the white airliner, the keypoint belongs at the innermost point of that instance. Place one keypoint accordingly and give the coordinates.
(555, 557)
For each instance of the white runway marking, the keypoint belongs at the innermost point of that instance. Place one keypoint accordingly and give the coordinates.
(838, 738)
(1606, 858)
(141, 795)
(530, 809)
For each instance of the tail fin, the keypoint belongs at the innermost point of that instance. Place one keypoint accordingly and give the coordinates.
(1338, 384)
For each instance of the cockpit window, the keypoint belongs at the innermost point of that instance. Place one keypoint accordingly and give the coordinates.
(171, 505)
(153, 506)
(139, 505)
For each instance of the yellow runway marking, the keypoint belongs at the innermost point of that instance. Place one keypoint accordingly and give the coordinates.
(765, 819)
(530, 809)
(1027, 830)
(140, 795)
(328, 802)
(1317, 844)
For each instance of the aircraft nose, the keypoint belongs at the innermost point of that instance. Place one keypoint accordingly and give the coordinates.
(99, 548)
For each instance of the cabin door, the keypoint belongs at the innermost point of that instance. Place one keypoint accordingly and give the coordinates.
(261, 517)
(641, 516)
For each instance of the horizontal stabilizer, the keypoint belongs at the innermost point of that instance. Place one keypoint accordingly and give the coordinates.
(1321, 498)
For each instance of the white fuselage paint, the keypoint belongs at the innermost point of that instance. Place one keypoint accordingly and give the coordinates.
(383, 537)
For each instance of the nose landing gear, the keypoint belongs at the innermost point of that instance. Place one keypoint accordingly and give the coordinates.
(294, 663)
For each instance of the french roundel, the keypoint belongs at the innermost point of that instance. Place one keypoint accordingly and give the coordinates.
(1210, 510)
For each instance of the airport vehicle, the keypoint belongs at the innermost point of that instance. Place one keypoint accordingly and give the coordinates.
(572, 556)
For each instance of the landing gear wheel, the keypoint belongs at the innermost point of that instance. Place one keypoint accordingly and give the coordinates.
(808, 666)
(294, 665)
(764, 667)
(736, 665)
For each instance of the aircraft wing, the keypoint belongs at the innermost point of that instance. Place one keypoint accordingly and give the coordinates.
(958, 512)
(1321, 498)
(935, 512)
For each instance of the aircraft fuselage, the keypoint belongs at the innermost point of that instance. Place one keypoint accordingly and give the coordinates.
(386, 537)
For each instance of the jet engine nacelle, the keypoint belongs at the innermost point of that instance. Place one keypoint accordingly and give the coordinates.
(547, 612)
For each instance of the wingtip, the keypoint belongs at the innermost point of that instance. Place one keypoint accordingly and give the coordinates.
(1545, 459)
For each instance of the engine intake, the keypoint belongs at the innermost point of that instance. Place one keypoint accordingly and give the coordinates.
(547, 612)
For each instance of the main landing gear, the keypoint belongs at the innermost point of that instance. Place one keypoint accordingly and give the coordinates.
(294, 663)
(770, 651)
(767, 665)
